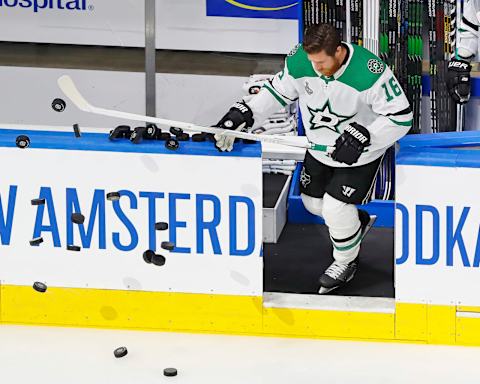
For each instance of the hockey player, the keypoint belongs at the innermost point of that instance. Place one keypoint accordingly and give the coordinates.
(459, 68)
(348, 99)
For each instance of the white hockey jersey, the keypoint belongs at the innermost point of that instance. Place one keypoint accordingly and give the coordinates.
(363, 90)
(467, 46)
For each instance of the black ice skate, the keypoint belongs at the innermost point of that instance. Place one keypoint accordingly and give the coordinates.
(338, 274)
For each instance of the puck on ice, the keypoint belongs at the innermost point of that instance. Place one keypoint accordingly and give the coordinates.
(161, 226)
(170, 372)
(113, 196)
(168, 245)
(183, 137)
(36, 241)
(39, 287)
(22, 141)
(38, 201)
(120, 352)
(77, 218)
(74, 248)
(58, 105)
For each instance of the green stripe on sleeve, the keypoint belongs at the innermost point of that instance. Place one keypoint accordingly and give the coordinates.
(275, 94)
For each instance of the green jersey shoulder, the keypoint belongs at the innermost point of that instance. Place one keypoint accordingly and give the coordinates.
(363, 70)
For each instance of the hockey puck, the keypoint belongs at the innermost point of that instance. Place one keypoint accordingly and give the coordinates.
(172, 144)
(38, 201)
(164, 136)
(158, 260)
(120, 352)
(152, 132)
(58, 105)
(39, 287)
(253, 90)
(147, 256)
(120, 132)
(199, 137)
(176, 131)
(168, 245)
(77, 218)
(36, 241)
(170, 372)
(183, 137)
(74, 248)
(76, 130)
(113, 196)
(22, 141)
(137, 135)
(161, 226)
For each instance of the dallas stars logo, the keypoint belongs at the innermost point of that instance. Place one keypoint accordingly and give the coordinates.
(326, 118)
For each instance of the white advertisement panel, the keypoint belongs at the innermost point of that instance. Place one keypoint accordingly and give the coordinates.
(213, 205)
(181, 24)
(437, 235)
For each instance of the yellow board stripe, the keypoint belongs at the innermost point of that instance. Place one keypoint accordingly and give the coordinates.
(101, 308)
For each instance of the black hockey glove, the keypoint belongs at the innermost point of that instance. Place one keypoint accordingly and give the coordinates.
(458, 80)
(351, 143)
(240, 118)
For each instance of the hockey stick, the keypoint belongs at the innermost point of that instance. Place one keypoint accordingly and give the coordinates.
(68, 87)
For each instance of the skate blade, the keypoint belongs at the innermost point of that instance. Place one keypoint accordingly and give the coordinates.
(323, 290)
(369, 226)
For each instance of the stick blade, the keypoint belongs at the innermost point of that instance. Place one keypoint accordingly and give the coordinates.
(70, 90)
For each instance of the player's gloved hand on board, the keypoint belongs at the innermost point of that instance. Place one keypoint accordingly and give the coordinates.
(458, 80)
(350, 144)
(240, 118)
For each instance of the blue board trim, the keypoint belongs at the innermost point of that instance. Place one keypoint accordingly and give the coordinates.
(297, 214)
(100, 142)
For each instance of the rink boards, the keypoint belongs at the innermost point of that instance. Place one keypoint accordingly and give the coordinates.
(213, 281)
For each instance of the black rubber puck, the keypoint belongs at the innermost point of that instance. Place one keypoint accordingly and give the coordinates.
(22, 141)
(38, 201)
(152, 132)
(77, 218)
(254, 89)
(147, 256)
(74, 248)
(158, 260)
(168, 245)
(36, 241)
(39, 287)
(120, 132)
(172, 144)
(161, 226)
(170, 372)
(113, 196)
(164, 136)
(183, 137)
(138, 134)
(176, 131)
(76, 130)
(58, 105)
(199, 137)
(120, 352)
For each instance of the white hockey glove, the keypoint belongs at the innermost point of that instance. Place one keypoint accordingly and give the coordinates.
(239, 118)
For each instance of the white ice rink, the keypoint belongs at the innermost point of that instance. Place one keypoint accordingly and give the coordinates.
(69, 356)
